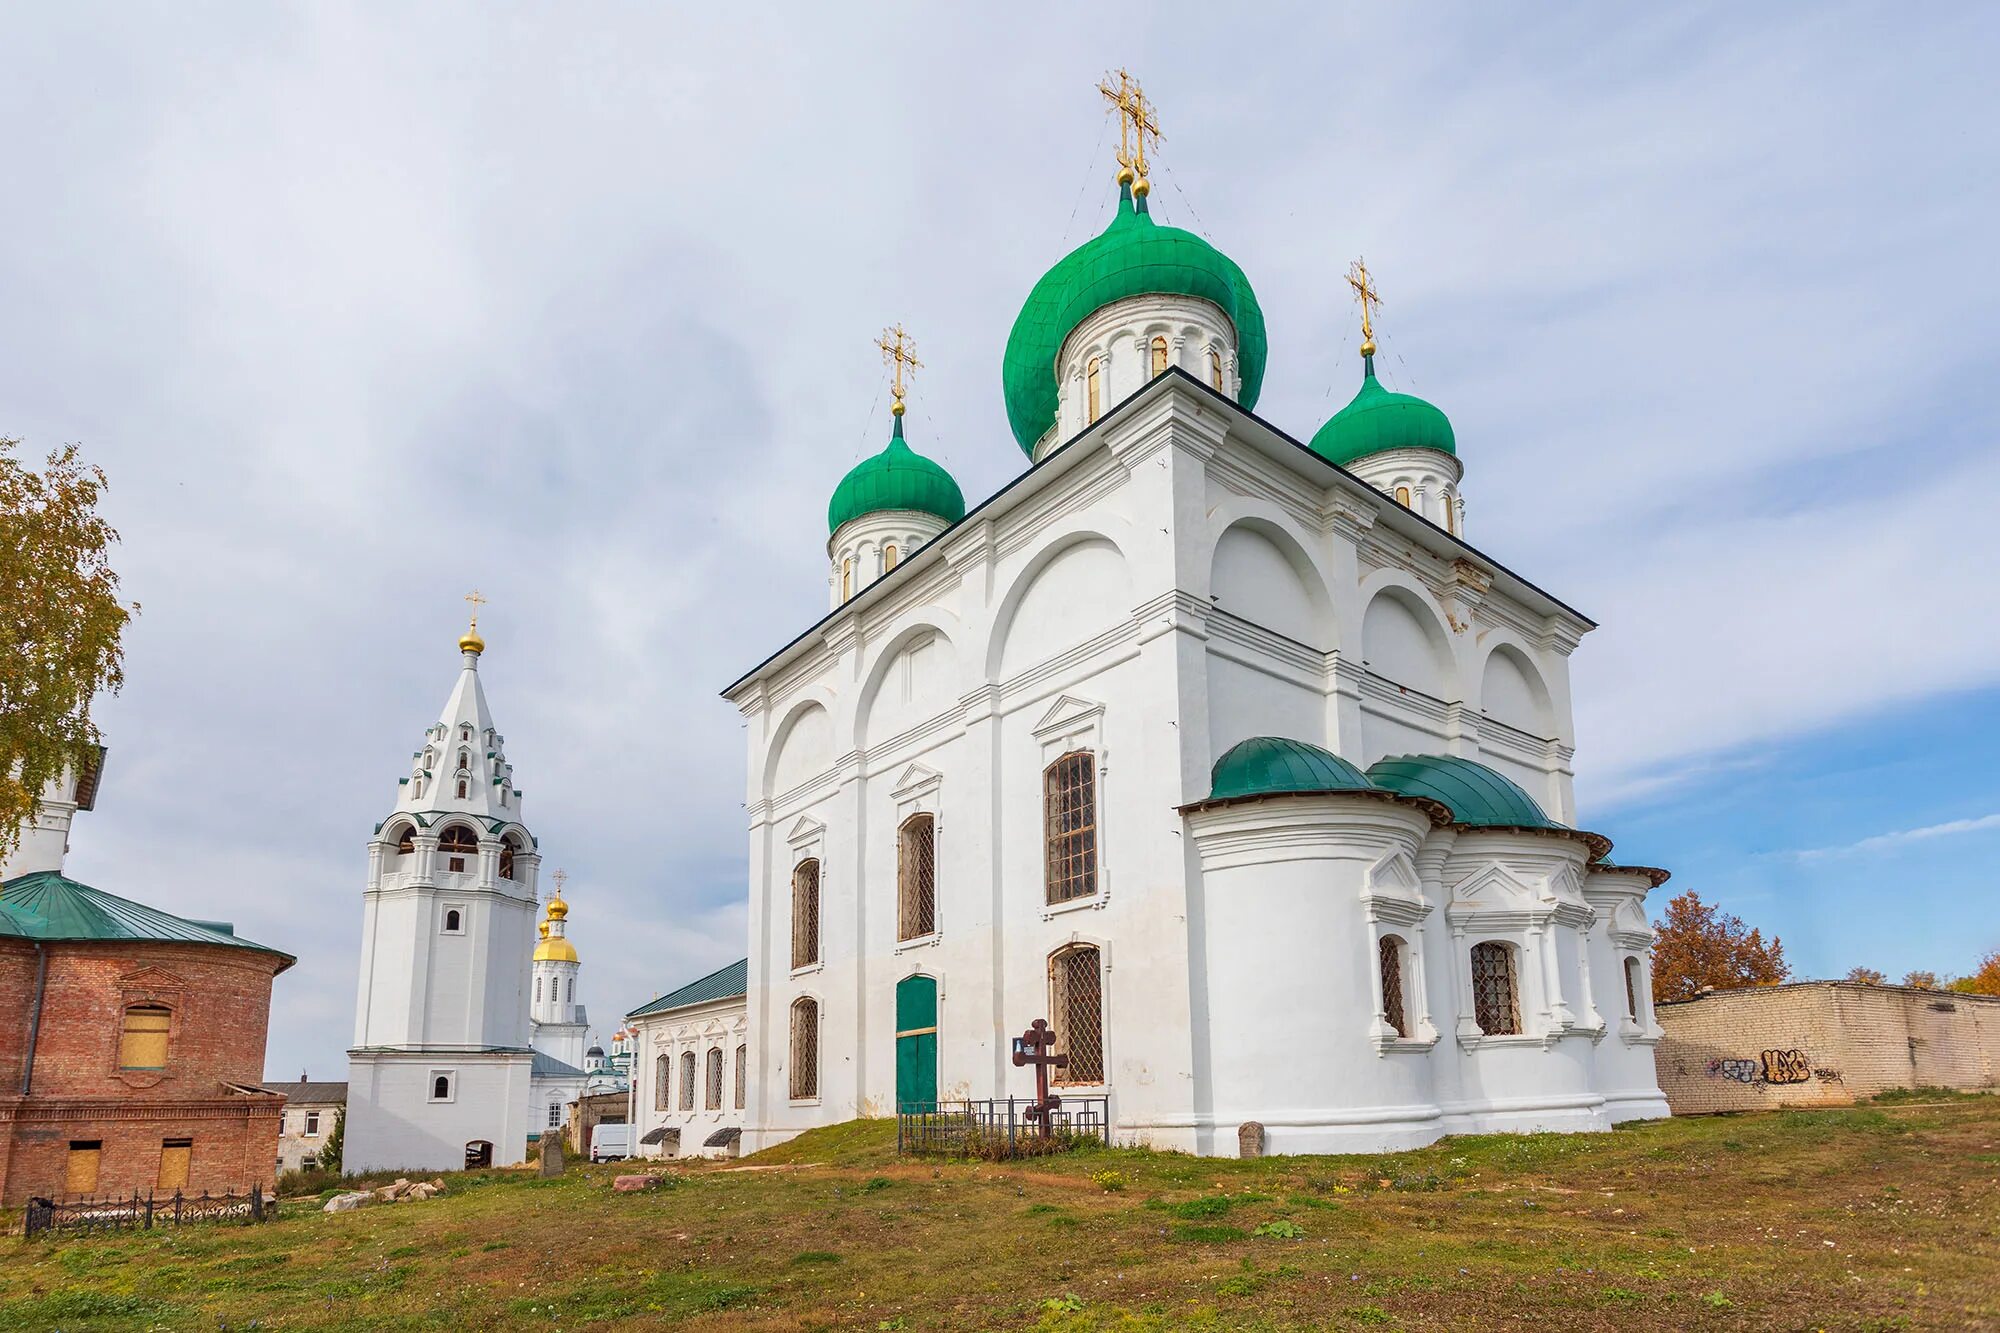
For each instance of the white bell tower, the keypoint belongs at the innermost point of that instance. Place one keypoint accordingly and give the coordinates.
(440, 1068)
(560, 1023)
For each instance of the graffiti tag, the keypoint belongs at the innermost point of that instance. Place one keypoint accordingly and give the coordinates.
(1772, 1066)
(1786, 1067)
(1743, 1071)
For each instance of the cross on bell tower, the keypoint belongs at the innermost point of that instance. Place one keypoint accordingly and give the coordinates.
(1136, 123)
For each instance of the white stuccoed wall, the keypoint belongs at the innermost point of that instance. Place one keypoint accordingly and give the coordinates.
(696, 1029)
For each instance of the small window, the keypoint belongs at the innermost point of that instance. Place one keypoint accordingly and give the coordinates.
(805, 913)
(714, 1081)
(538, 990)
(742, 1074)
(1093, 380)
(1495, 1000)
(1392, 985)
(555, 1115)
(1159, 355)
(570, 986)
(441, 1088)
(916, 878)
(454, 923)
(175, 1157)
(888, 557)
(312, 1123)
(661, 1075)
(80, 1172)
(1215, 370)
(1069, 823)
(462, 789)
(687, 1080)
(464, 761)
(1632, 988)
(846, 579)
(804, 1074)
(1403, 496)
(1450, 515)
(1076, 999)
(309, 1163)
(143, 1043)
(465, 733)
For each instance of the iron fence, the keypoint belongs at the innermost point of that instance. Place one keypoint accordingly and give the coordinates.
(145, 1211)
(1000, 1127)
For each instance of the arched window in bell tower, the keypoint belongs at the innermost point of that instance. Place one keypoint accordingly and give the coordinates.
(1215, 370)
(1159, 354)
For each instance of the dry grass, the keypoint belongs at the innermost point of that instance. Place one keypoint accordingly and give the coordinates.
(1877, 1218)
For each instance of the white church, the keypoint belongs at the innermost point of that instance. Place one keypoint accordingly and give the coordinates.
(468, 1034)
(1222, 750)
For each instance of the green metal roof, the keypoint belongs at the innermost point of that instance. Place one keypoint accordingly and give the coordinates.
(724, 984)
(1133, 256)
(1268, 765)
(1378, 419)
(897, 478)
(1475, 794)
(48, 907)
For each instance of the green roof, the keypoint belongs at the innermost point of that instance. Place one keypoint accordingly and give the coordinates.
(1269, 765)
(897, 478)
(724, 984)
(1378, 419)
(1134, 256)
(1475, 794)
(46, 906)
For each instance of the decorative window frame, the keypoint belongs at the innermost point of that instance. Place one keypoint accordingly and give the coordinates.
(1103, 947)
(450, 1074)
(1393, 899)
(157, 988)
(807, 841)
(464, 911)
(819, 1049)
(1528, 918)
(1632, 939)
(919, 792)
(1070, 724)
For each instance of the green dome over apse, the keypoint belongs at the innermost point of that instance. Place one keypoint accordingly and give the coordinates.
(1378, 419)
(897, 478)
(1270, 765)
(1134, 256)
(1475, 793)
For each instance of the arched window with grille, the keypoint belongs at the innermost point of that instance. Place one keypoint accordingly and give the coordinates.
(713, 1101)
(742, 1075)
(662, 1080)
(1496, 1004)
(916, 877)
(805, 913)
(1394, 1011)
(1069, 826)
(1215, 370)
(1632, 989)
(1076, 1008)
(687, 1080)
(803, 1077)
(1159, 354)
(1093, 389)
(143, 1042)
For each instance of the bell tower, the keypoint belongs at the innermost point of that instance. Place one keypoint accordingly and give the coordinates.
(560, 1023)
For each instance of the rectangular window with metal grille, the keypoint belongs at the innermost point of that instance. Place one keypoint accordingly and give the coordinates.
(687, 1080)
(1069, 801)
(1392, 985)
(916, 878)
(714, 1089)
(1495, 1006)
(805, 914)
(662, 1082)
(742, 1074)
(1076, 1006)
(804, 1074)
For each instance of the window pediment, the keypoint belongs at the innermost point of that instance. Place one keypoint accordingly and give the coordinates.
(1068, 714)
(916, 780)
(806, 830)
(151, 978)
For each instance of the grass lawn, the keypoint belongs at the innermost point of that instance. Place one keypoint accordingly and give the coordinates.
(1883, 1217)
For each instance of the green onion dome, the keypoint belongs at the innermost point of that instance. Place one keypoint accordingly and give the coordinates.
(1134, 256)
(1272, 765)
(1378, 420)
(1475, 794)
(897, 478)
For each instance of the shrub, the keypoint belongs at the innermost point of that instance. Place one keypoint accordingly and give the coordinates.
(1108, 1180)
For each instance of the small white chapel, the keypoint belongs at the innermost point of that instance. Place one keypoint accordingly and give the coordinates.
(1222, 749)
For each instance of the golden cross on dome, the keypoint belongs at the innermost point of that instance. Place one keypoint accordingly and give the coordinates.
(1136, 120)
(900, 351)
(1370, 299)
(475, 601)
(562, 878)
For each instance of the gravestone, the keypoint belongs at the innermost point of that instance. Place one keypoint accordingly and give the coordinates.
(552, 1155)
(1250, 1139)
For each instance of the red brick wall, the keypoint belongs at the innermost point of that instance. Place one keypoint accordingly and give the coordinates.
(220, 1001)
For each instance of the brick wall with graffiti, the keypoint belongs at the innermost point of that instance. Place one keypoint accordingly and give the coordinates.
(1823, 1043)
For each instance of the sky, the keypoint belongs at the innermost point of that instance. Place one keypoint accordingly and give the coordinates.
(361, 307)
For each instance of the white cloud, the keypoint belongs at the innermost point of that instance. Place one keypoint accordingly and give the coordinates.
(1903, 837)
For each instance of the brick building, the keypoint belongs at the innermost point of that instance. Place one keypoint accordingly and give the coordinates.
(1822, 1043)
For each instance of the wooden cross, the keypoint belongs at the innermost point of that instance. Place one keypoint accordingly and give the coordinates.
(1370, 299)
(1136, 120)
(1036, 1047)
(475, 601)
(899, 350)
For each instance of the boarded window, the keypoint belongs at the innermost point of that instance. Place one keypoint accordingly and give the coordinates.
(1392, 985)
(80, 1171)
(1076, 1006)
(1215, 370)
(143, 1044)
(714, 1088)
(804, 1074)
(1093, 379)
(687, 1080)
(742, 1074)
(1632, 988)
(1159, 355)
(916, 878)
(1069, 802)
(846, 579)
(661, 1079)
(805, 913)
(175, 1156)
(1495, 1006)
(1403, 496)
(888, 557)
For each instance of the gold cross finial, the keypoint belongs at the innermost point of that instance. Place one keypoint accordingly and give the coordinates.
(900, 351)
(470, 642)
(475, 601)
(1136, 121)
(1370, 299)
(561, 878)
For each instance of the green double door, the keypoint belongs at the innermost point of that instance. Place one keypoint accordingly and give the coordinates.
(916, 1043)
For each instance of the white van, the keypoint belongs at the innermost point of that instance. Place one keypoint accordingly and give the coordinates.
(610, 1143)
